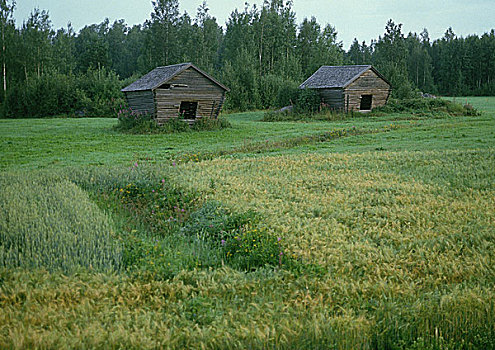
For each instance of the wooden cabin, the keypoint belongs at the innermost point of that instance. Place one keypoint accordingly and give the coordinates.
(350, 88)
(178, 90)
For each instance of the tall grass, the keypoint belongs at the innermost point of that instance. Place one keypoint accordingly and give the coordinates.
(48, 222)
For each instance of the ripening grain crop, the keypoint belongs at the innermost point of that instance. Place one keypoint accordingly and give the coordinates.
(400, 235)
(49, 222)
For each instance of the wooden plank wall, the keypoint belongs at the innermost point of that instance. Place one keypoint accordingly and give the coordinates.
(190, 86)
(369, 83)
(141, 101)
(334, 98)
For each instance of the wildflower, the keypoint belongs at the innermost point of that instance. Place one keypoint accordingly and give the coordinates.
(279, 239)
(136, 164)
(163, 181)
(173, 164)
(223, 242)
(153, 191)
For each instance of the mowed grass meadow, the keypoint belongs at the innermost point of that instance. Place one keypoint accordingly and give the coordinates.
(374, 232)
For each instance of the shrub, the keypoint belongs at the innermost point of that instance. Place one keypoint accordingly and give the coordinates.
(424, 107)
(95, 94)
(135, 122)
(270, 86)
(102, 87)
(325, 114)
(287, 95)
(281, 116)
(51, 94)
(174, 125)
(308, 101)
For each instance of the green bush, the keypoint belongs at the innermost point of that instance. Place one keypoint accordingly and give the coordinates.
(161, 207)
(425, 107)
(287, 94)
(308, 101)
(102, 88)
(269, 87)
(133, 122)
(51, 94)
(94, 94)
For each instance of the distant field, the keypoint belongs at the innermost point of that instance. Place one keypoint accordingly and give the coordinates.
(392, 227)
(483, 102)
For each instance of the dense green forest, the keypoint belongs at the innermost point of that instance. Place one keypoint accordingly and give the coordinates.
(261, 53)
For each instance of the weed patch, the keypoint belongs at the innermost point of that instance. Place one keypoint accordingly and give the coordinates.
(132, 122)
(243, 241)
(165, 229)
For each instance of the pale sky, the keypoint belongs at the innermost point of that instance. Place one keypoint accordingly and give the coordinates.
(364, 19)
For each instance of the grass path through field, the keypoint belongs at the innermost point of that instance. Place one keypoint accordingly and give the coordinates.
(68, 142)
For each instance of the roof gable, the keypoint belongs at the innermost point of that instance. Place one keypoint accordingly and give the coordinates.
(328, 77)
(162, 75)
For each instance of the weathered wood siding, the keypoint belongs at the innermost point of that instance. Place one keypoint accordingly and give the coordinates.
(369, 83)
(334, 98)
(141, 101)
(189, 86)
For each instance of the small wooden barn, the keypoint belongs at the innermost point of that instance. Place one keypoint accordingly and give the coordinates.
(348, 88)
(176, 90)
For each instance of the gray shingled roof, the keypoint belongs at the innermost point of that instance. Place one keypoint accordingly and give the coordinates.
(328, 77)
(161, 75)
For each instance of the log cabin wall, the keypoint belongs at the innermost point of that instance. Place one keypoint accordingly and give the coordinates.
(369, 83)
(141, 101)
(188, 86)
(334, 98)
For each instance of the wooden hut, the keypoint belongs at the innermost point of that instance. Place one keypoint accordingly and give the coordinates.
(359, 88)
(177, 90)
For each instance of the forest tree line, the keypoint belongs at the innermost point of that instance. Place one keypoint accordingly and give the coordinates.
(261, 52)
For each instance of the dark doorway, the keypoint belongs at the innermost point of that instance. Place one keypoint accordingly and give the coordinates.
(188, 110)
(366, 102)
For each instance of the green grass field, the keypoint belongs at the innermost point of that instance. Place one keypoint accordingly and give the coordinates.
(387, 226)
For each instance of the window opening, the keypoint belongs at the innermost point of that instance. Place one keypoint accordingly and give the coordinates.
(188, 109)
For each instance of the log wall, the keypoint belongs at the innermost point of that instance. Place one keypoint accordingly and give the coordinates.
(141, 101)
(189, 86)
(369, 83)
(334, 98)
